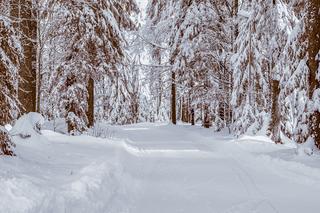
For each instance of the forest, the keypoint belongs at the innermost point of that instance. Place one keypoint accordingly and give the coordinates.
(140, 106)
(241, 65)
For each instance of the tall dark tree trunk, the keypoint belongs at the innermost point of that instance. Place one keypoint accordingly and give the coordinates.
(206, 119)
(70, 107)
(24, 15)
(8, 92)
(184, 110)
(173, 99)
(274, 125)
(313, 33)
(90, 112)
(235, 7)
(192, 117)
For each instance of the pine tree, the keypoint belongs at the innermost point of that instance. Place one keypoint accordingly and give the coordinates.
(259, 45)
(278, 37)
(96, 47)
(198, 67)
(10, 54)
(293, 71)
(157, 32)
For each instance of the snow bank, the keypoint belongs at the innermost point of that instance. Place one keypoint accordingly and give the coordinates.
(96, 188)
(306, 148)
(59, 173)
(28, 125)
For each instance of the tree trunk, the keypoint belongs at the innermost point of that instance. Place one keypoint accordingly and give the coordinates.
(173, 98)
(313, 33)
(235, 7)
(39, 47)
(206, 119)
(184, 111)
(24, 15)
(71, 108)
(90, 112)
(274, 126)
(8, 90)
(192, 117)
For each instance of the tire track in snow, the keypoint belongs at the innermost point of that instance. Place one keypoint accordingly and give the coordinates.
(257, 197)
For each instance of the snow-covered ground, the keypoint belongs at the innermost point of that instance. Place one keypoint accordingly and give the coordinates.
(155, 168)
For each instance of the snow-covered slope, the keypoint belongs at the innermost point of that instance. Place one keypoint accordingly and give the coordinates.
(157, 168)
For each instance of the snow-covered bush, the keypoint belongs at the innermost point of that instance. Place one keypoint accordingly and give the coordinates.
(6, 145)
(306, 148)
(28, 125)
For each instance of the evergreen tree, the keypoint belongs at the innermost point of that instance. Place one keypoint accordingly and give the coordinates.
(261, 40)
(293, 71)
(198, 66)
(156, 35)
(94, 30)
(10, 54)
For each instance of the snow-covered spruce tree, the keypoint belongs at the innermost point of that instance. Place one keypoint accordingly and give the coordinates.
(259, 46)
(242, 99)
(278, 25)
(53, 44)
(293, 70)
(10, 54)
(207, 66)
(119, 95)
(156, 36)
(299, 83)
(200, 47)
(94, 31)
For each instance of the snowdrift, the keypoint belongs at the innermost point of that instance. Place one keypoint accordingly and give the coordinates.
(28, 125)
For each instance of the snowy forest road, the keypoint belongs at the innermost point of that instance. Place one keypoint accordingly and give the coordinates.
(157, 168)
(186, 169)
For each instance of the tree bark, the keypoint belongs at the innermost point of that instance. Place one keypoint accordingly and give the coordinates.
(274, 125)
(206, 119)
(173, 98)
(8, 90)
(235, 7)
(184, 110)
(90, 112)
(24, 15)
(192, 117)
(313, 33)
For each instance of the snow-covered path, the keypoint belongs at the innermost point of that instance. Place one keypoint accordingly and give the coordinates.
(157, 168)
(184, 169)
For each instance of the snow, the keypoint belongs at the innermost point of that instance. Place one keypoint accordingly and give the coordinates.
(157, 168)
(244, 13)
(306, 148)
(28, 125)
(8, 127)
